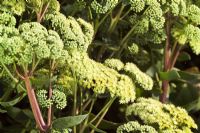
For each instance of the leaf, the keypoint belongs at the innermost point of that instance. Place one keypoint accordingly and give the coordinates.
(70, 121)
(96, 129)
(184, 56)
(170, 75)
(193, 106)
(17, 114)
(14, 101)
(28, 113)
(2, 111)
(189, 77)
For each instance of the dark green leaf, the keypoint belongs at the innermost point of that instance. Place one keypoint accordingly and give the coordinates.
(70, 121)
(170, 75)
(184, 57)
(193, 106)
(14, 101)
(189, 77)
(17, 114)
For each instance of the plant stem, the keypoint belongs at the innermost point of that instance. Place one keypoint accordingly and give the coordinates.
(86, 104)
(174, 56)
(74, 106)
(165, 83)
(86, 121)
(34, 105)
(22, 89)
(81, 101)
(34, 66)
(103, 111)
(50, 109)
(41, 13)
(102, 116)
(97, 25)
(123, 42)
(114, 22)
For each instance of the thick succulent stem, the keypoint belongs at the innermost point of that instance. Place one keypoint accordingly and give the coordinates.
(34, 105)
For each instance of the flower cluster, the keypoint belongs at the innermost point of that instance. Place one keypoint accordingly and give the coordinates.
(115, 64)
(103, 6)
(133, 49)
(101, 79)
(134, 126)
(188, 34)
(76, 34)
(58, 99)
(163, 117)
(13, 6)
(147, 18)
(140, 78)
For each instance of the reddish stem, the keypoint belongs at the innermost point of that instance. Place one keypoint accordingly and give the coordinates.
(165, 84)
(169, 60)
(175, 56)
(41, 13)
(34, 105)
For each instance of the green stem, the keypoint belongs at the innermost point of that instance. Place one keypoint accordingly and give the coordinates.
(9, 73)
(22, 89)
(86, 121)
(50, 109)
(103, 109)
(123, 42)
(81, 101)
(86, 104)
(75, 104)
(90, 14)
(126, 13)
(34, 66)
(115, 20)
(97, 25)
(102, 113)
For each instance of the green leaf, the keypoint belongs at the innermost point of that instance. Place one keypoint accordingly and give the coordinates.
(17, 114)
(14, 101)
(70, 121)
(189, 77)
(193, 106)
(96, 129)
(184, 56)
(2, 111)
(170, 75)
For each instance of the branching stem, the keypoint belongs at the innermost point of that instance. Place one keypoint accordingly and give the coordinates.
(34, 105)
(165, 83)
